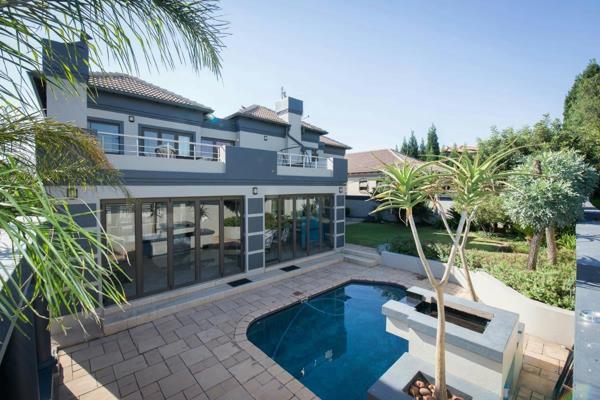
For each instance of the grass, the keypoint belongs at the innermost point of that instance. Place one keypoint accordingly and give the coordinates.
(372, 234)
(502, 256)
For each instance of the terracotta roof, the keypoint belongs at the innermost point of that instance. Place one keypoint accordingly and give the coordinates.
(313, 127)
(333, 143)
(132, 86)
(368, 162)
(258, 112)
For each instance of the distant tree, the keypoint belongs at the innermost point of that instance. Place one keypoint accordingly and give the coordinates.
(404, 148)
(412, 147)
(546, 193)
(396, 149)
(581, 114)
(433, 145)
(544, 135)
(422, 150)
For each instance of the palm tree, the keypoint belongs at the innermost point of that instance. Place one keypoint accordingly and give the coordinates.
(470, 181)
(62, 256)
(405, 187)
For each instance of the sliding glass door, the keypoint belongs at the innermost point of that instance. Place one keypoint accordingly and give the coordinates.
(168, 243)
(297, 226)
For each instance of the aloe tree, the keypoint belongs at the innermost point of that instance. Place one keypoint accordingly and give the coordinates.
(405, 187)
(63, 256)
(470, 181)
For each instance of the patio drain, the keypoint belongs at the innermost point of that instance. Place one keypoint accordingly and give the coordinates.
(239, 282)
(290, 268)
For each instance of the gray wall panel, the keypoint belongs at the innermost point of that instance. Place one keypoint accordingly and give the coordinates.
(255, 224)
(340, 240)
(244, 166)
(255, 242)
(255, 205)
(341, 227)
(255, 261)
(340, 214)
(341, 200)
(145, 108)
(84, 215)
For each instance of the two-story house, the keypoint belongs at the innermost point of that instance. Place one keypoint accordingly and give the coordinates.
(210, 199)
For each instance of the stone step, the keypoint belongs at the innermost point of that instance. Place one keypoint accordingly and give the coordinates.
(364, 261)
(362, 253)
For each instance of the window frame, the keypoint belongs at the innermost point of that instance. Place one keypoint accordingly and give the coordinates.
(106, 121)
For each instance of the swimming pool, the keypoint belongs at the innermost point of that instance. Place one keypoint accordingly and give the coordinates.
(334, 343)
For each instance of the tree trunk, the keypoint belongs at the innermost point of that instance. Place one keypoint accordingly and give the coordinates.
(534, 248)
(551, 248)
(440, 339)
(463, 260)
(440, 346)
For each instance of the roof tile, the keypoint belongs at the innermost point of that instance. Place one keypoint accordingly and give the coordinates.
(130, 85)
(368, 162)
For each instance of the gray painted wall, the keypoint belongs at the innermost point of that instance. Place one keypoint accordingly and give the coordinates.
(143, 107)
(255, 205)
(255, 242)
(243, 167)
(255, 261)
(255, 224)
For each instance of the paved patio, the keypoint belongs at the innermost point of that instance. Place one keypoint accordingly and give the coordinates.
(542, 363)
(202, 352)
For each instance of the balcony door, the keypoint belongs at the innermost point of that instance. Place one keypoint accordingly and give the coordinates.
(157, 142)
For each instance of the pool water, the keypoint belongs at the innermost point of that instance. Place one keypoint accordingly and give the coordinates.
(334, 343)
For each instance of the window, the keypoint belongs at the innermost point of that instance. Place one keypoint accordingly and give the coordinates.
(109, 135)
(209, 149)
(363, 186)
(164, 143)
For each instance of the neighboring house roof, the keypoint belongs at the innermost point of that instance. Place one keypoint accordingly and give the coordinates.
(333, 143)
(460, 149)
(258, 112)
(313, 128)
(369, 162)
(132, 86)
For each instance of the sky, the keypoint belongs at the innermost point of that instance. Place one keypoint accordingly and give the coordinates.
(369, 72)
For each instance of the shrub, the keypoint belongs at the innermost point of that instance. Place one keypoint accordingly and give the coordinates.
(491, 217)
(567, 241)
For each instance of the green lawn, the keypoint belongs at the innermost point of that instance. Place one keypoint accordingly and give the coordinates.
(505, 257)
(373, 234)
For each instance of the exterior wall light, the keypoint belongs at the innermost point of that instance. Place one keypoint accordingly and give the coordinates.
(341, 189)
(131, 118)
(72, 192)
(255, 190)
(266, 138)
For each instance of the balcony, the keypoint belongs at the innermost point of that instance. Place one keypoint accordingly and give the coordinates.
(137, 152)
(304, 165)
(151, 161)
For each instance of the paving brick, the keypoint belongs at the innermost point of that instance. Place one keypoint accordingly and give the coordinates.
(196, 355)
(130, 366)
(246, 370)
(225, 350)
(176, 383)
(172, 349)
(106, 360)
(152, 374)
(212, 376)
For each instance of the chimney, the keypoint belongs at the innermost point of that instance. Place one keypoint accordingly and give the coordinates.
(73, 55)
(290, 110)
(66, 101)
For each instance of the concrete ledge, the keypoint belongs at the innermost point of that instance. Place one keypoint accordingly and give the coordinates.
(413, 264)
(490, 344)
(391, 384)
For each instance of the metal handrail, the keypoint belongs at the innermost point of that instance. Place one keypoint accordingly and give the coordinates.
(286, 159)
(145, 146)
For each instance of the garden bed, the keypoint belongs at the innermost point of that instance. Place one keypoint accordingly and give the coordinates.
(502, 256)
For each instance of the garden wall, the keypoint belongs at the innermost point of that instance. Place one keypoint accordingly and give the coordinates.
(547, 322)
